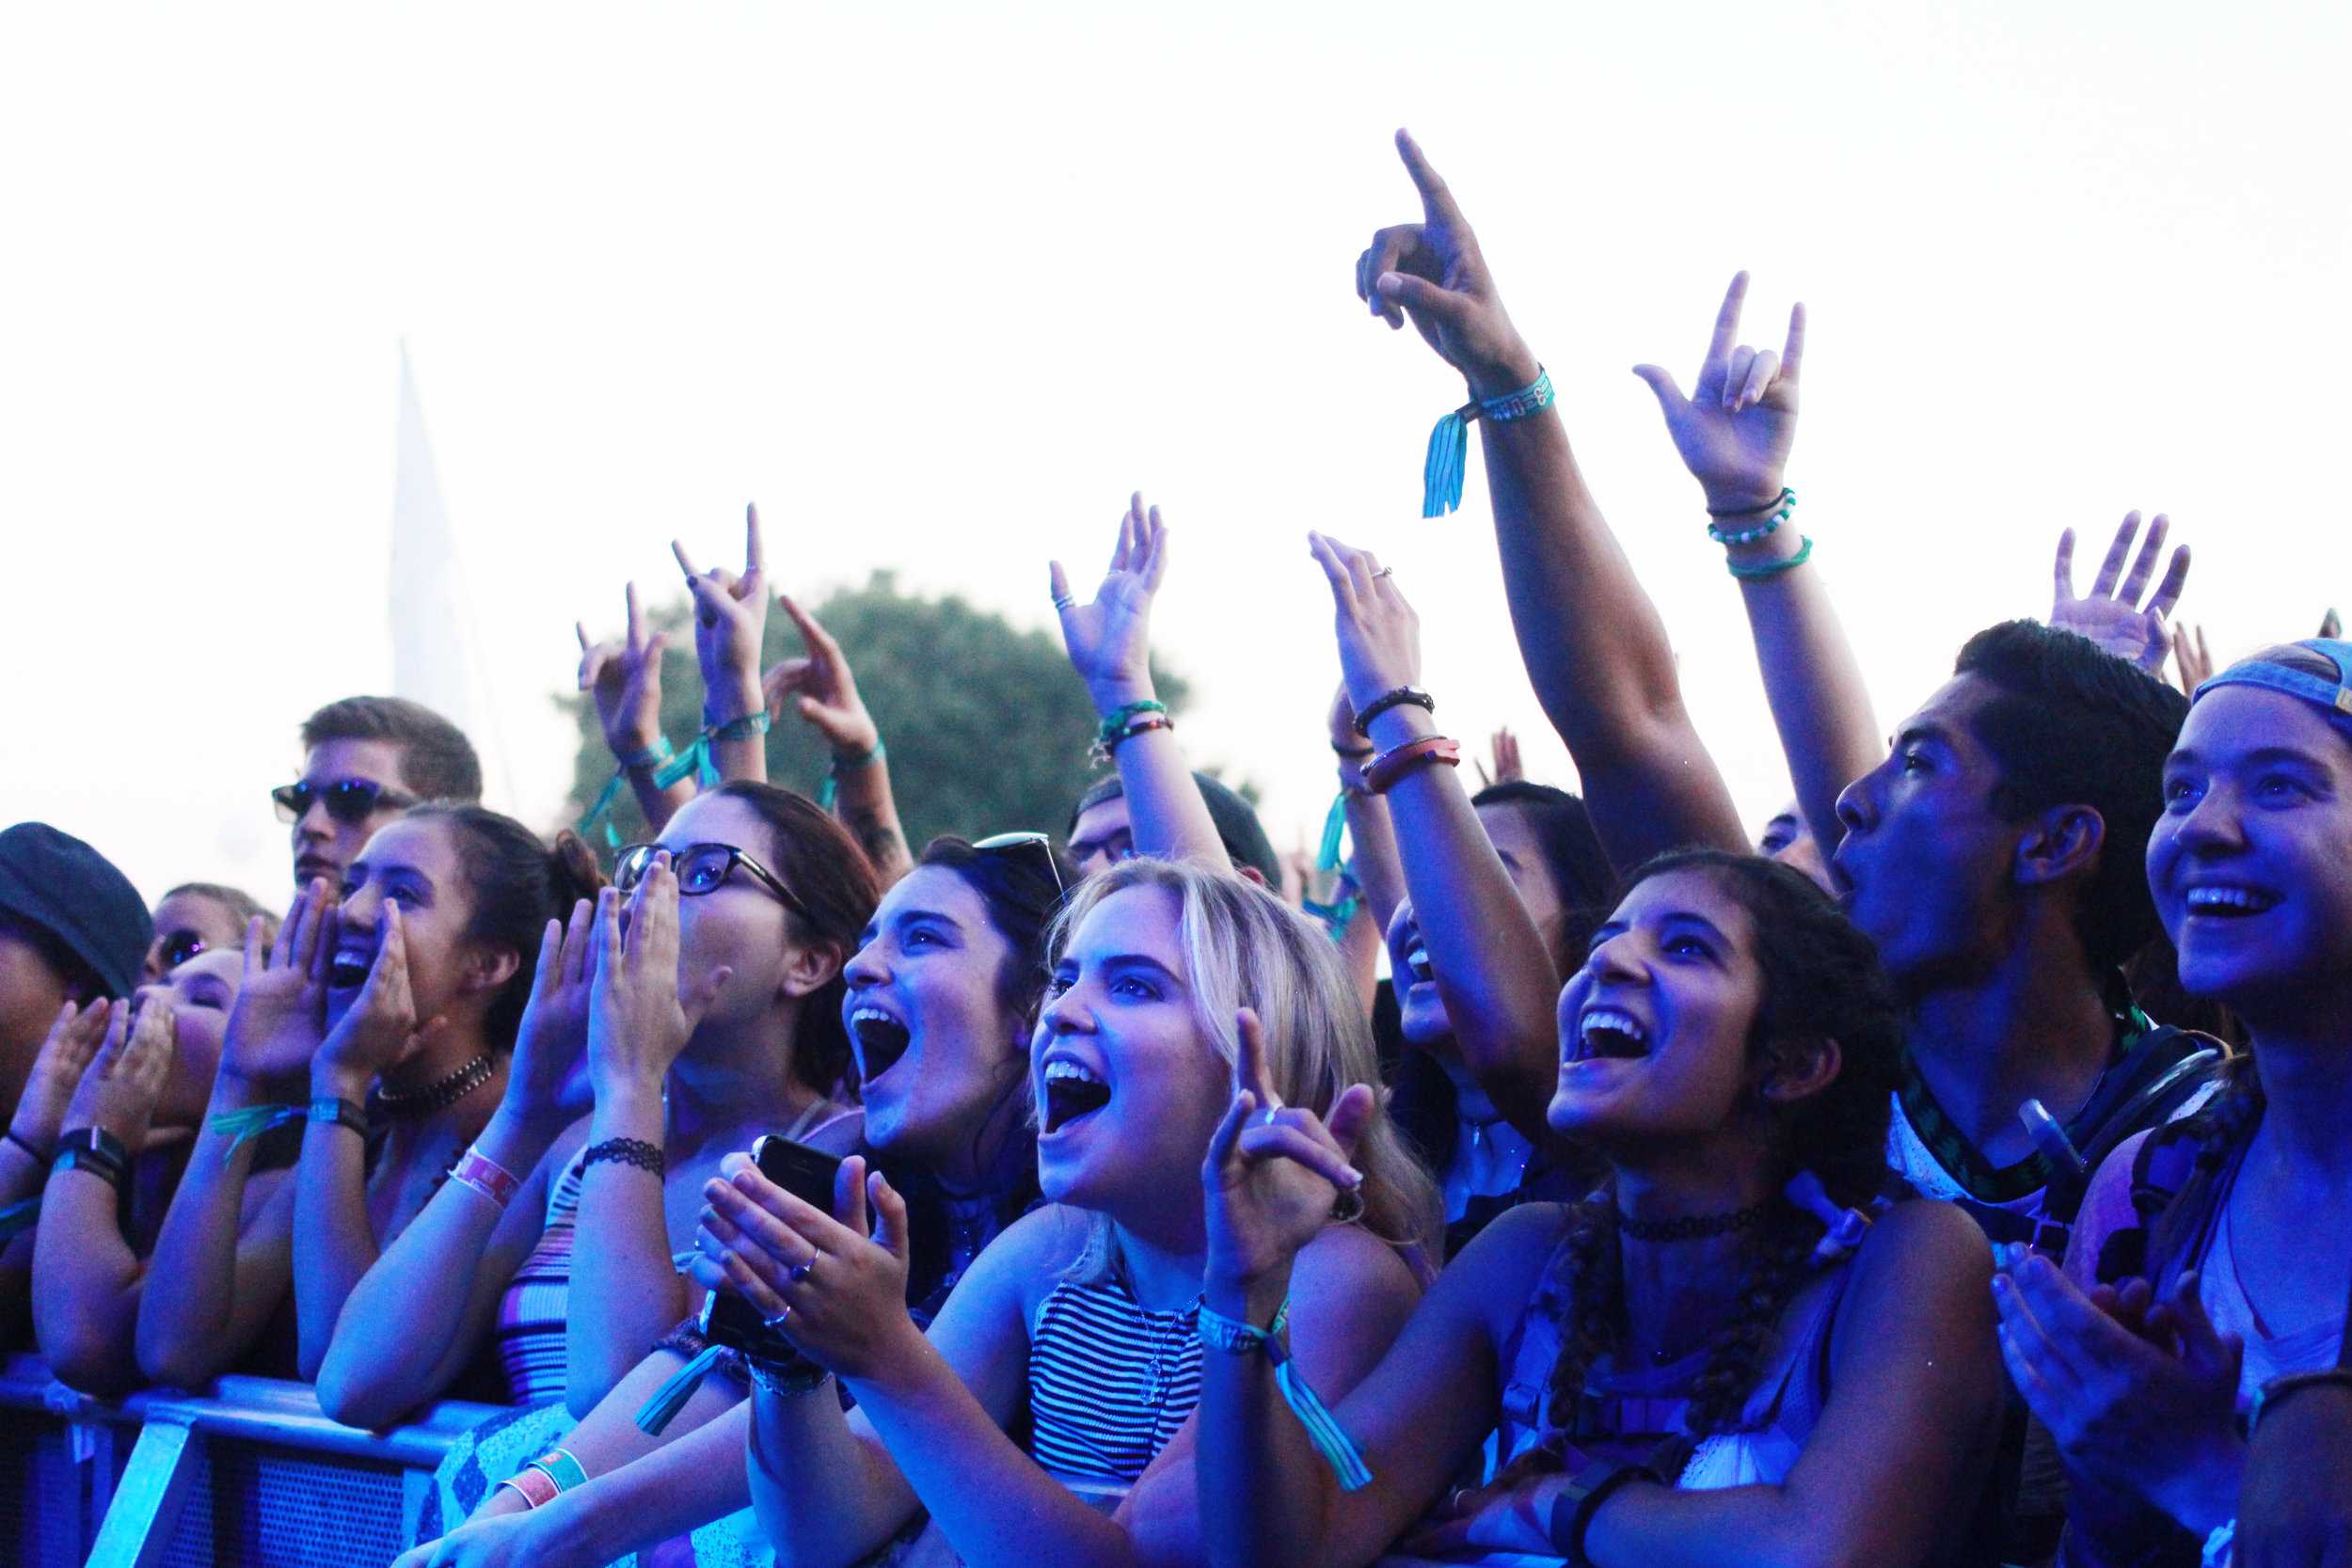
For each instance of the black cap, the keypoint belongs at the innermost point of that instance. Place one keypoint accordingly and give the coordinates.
(59, 885)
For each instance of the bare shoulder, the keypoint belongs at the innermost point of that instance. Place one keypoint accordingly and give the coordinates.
(1346, 1262)
(1925, 1236)
(1029, 1257)
(1490, 1279)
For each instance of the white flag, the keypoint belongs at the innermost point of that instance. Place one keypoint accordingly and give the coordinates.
(436, 657)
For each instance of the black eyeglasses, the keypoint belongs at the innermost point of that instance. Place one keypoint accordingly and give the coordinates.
(177, 948)
(1034, 846)
(701, 868)
(350, 802)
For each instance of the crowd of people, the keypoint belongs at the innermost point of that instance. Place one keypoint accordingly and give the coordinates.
(1952, 1175)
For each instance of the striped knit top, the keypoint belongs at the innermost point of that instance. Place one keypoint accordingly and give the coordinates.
(1109, 1380)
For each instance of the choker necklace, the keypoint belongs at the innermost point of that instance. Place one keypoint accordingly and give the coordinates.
(1692, 1227)
(411, 1104)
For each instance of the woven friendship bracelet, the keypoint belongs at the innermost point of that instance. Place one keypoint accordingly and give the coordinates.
(1442, 470)
(1234, 1337)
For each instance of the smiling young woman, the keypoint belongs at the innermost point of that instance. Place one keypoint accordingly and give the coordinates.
(2197, 1285)
(1685, 1366)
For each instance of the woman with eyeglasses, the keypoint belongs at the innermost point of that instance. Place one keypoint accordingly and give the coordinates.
(376, 1034)
(942, 996)
(693, 1009)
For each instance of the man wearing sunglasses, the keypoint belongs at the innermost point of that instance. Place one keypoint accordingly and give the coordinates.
(365, 761)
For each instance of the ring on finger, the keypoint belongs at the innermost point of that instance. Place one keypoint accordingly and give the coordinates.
(1384, 572)
(802, 1270)
(775, 1320)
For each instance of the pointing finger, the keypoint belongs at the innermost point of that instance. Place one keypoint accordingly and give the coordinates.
(685, 562)
(1792, 352)
(1249, 1061)
(636, 624)
(755, 556)
(1436, 201)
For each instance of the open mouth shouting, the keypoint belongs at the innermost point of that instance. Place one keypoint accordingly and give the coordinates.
(880, 1039)
(1074, 1091)
(347, 967)
(1609, 1033)
(1417, 962)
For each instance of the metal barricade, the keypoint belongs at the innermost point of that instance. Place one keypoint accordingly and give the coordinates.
(249, 1473)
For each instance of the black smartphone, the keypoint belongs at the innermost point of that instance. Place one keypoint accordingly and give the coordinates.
(809, 1175)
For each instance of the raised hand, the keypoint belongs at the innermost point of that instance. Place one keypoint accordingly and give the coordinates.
(730, 620)
(1274, 1172)
(2148, 1413)
(838, 1288)
(624, 678)
(1378, 633)
(2191, 659)
(1110, 640)
(380, 1029)
(640, 1012)
(280, 1017)
(122, 1082)
(2112, 616)
(1431, 273)
(818, 686)
(547, 1080)
(1508, 767)
(65, 1053)
(1734, 429)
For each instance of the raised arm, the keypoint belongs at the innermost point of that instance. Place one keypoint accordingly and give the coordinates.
(398, 1346)
(222, 1263)
(1110, 648)
(625, 1292)
(1268, 1499)
(1380, 871)
(1734, 433)
(86, 1277)
(730, 624)
(66, 1051)
(821, 690)
(625, 679)
(1593, 642)
(1493, 970)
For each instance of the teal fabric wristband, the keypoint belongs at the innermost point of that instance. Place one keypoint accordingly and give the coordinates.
(1236, 1338)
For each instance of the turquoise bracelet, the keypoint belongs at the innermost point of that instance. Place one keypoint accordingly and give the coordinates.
(1772, 568)
(1448, 460)
(1779, 506)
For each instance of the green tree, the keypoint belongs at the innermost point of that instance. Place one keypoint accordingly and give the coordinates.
(986, 728)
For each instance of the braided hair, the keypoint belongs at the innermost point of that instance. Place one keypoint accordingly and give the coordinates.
(1822, 982)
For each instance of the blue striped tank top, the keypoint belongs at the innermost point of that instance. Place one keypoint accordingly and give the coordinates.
(1109, 1380)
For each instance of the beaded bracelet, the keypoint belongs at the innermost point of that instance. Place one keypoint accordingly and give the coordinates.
(1118, 719)
(1772, 568)
(1142, 724)
(623, 1151)
(1448, 460)
(1401, 696)
(1780, 507)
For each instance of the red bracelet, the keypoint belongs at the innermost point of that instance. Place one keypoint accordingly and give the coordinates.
(486, 1176)
(1136, 726)
(1382, 775)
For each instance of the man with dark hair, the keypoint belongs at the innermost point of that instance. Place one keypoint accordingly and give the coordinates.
(1996, 858)
(1100, 836)
(367, 759)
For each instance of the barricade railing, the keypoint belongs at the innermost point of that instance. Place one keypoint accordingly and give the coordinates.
(249, 1472)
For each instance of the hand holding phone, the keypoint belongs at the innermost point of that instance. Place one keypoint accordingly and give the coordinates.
(727, 1318)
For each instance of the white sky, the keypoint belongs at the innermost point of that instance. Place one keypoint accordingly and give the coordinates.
(937, 285)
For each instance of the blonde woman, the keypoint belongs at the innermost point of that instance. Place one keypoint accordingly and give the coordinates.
(1172, 983)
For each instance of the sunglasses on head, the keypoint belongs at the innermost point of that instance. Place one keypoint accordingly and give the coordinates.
(350, 802)
(1037, 848)
(701, 868)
